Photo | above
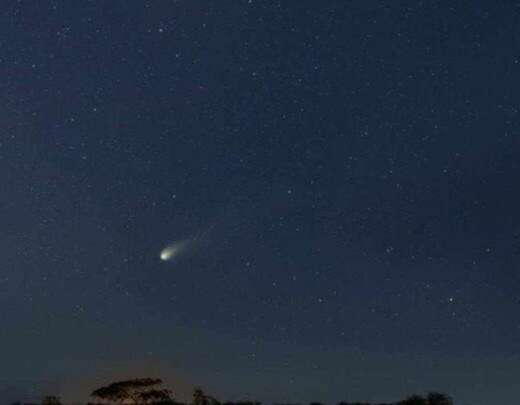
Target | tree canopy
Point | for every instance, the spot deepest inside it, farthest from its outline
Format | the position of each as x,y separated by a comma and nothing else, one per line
135,391
146,391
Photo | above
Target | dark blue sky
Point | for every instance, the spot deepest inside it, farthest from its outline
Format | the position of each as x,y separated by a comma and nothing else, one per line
343,176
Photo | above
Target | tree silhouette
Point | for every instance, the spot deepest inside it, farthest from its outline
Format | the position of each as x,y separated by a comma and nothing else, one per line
437,398
201,398
414,400
136,391
145,391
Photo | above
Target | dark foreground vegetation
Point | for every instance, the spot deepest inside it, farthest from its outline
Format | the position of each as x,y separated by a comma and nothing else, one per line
148,391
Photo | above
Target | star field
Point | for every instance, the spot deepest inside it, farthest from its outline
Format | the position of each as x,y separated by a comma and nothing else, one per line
340,177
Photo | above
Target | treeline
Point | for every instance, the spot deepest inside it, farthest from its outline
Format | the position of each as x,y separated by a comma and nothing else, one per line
147,391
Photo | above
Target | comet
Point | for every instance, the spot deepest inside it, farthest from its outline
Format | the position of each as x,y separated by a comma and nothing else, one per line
187,245
173,250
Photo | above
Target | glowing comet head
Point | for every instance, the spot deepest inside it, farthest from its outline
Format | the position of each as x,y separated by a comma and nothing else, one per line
173,250
166,254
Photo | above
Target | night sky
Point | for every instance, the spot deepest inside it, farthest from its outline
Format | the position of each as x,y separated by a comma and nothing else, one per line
335,183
